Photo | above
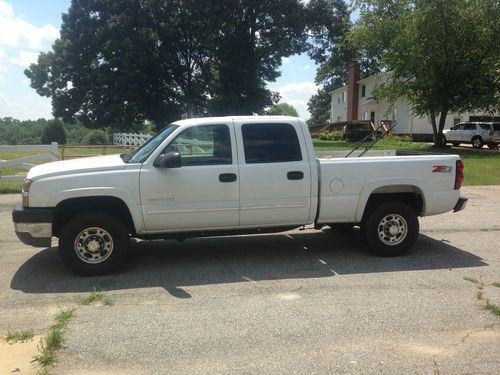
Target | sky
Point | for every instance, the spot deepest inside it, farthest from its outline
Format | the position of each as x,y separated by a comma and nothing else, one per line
28,27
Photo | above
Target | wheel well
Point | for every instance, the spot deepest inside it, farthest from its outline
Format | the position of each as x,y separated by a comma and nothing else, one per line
410,195
69,208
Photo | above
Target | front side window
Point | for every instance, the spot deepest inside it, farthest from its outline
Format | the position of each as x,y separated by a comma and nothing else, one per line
470,127
270,143
203,145
143,152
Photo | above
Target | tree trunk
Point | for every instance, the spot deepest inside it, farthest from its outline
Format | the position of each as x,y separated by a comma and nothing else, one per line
434,129
442,121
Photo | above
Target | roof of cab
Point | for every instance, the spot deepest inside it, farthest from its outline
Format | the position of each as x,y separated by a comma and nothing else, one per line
193,121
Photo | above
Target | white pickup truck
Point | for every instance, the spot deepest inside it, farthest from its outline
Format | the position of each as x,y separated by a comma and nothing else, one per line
223,176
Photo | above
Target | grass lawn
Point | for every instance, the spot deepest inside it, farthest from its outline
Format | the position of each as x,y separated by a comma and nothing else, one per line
481,167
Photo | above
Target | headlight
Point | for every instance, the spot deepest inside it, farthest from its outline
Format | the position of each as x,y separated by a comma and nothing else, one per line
26,192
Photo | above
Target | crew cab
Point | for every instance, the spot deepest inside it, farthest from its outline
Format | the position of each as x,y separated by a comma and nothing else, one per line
224,176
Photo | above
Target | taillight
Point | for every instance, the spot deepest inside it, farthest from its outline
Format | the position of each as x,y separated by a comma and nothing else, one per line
459,174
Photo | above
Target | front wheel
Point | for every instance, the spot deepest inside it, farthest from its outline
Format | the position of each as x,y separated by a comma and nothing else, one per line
94,243
391,228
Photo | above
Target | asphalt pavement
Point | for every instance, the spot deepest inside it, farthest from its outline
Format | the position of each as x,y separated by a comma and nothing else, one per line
300,302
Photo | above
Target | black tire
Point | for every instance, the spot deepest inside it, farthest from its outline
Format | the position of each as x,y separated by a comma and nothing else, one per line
455,144
101,230
492,146
477,142
389,244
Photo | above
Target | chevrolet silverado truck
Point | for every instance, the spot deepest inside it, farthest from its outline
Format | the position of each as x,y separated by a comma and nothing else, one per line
227,176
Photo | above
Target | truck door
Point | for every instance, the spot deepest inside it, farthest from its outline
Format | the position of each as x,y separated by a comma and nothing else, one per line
201,194
275,176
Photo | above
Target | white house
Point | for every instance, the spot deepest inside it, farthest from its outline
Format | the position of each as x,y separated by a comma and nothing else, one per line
355,102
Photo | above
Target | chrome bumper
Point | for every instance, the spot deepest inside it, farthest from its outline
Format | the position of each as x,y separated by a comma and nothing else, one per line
34,234
33,226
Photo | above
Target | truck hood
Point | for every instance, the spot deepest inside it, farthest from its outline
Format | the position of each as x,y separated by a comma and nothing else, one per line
81,165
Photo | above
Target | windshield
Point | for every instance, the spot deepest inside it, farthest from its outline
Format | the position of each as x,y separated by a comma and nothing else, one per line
142,153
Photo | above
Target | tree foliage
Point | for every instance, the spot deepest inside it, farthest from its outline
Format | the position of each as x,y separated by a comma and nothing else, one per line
117,63
443,55
54,132
329,24
283,109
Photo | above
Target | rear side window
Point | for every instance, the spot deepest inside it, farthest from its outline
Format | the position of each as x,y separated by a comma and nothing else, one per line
485,126
496,127
270,143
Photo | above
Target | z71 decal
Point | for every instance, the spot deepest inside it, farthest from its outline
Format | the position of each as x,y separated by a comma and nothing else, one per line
442,169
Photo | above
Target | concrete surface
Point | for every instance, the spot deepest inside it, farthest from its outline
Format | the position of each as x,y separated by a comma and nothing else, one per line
303,302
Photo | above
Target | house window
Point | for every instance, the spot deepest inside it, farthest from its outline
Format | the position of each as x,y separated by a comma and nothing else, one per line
339,97
365,116
394,114
345,96
456,120
363,91
338,118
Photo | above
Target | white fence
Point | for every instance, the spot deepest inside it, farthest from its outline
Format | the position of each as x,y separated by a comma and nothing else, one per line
47,152
130,139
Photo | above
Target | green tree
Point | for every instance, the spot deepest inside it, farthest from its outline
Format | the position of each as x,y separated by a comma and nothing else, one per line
54,132
443,55
254,36
118,63
96,137
328,25
283,109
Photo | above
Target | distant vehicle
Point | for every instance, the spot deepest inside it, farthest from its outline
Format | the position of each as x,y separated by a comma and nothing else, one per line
356,131
476,133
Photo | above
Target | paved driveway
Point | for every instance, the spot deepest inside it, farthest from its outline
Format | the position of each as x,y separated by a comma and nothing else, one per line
306,302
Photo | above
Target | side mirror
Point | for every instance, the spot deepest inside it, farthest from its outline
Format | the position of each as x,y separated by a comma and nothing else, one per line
168,160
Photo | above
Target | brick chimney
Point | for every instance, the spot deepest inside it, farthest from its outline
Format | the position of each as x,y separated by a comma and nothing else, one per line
353,92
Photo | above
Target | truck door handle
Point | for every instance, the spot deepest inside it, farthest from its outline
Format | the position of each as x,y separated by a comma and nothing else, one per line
227,177
295,175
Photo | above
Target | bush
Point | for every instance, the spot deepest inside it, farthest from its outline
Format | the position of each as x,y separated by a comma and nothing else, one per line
54,132
330,136
398,138
96,137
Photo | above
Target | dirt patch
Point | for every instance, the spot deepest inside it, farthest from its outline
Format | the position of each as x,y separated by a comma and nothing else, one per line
17,358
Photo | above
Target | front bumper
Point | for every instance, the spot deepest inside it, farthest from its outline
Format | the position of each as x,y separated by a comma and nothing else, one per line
33,226
462,202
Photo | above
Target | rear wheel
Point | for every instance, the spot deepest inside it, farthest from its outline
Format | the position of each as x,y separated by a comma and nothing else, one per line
391,228
94,243
477,142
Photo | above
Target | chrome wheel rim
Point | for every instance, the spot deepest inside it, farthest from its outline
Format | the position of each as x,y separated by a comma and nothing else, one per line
392,229
93,245
477,143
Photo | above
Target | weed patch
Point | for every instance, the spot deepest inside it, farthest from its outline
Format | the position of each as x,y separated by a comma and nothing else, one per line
53,341
19,336
96,296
